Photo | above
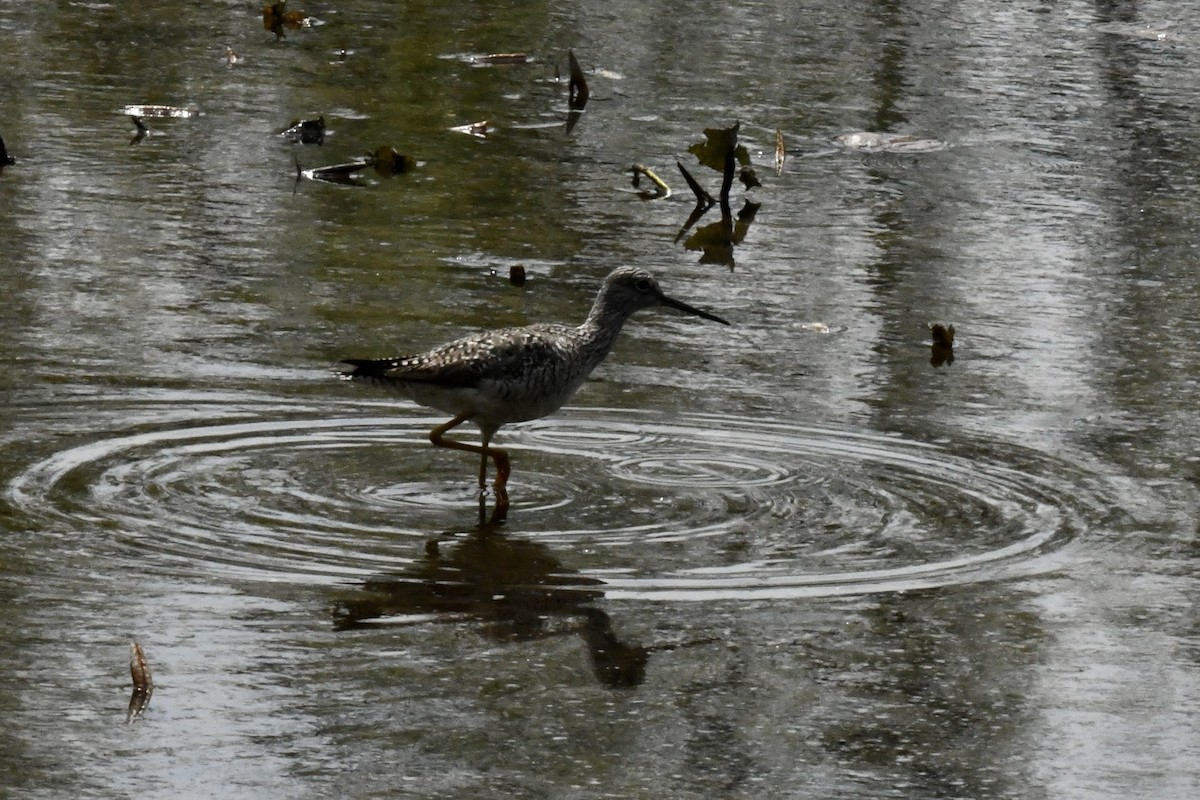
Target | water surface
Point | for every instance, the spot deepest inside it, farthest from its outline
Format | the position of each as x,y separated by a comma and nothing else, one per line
787,558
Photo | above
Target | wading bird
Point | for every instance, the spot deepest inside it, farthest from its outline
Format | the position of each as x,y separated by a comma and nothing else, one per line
515,374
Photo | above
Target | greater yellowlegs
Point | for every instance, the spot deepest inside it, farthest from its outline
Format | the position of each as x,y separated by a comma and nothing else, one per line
515,374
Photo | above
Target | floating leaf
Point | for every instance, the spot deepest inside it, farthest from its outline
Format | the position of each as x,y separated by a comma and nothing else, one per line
942,350
748,177
231,57
308,131
715,240
276,17
387,161
712,153
942,334
744,218
780,152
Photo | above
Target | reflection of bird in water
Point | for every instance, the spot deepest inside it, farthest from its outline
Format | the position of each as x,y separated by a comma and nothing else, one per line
518,589
516,374
614,663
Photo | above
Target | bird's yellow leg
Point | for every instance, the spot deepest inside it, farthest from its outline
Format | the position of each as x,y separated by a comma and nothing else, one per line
502,472
437,437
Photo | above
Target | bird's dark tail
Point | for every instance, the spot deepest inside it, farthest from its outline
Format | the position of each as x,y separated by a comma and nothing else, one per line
367,368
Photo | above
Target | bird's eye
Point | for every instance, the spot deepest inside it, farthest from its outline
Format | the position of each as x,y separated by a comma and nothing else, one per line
642,285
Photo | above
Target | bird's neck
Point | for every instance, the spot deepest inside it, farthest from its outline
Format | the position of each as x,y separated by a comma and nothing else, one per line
602,325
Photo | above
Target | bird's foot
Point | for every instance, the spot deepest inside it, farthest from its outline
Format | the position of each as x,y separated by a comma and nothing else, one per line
500,510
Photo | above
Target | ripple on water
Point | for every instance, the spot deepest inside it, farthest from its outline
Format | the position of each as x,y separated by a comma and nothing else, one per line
692,507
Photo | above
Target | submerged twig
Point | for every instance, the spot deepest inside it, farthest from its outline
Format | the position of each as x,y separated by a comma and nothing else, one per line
660,186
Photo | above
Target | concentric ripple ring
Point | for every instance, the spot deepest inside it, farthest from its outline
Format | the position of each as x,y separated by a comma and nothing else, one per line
692,507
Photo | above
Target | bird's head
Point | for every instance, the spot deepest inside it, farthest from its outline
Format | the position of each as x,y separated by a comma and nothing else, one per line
633,288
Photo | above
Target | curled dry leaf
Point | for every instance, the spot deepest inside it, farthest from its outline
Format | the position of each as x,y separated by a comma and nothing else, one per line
479,129
139,669
143,682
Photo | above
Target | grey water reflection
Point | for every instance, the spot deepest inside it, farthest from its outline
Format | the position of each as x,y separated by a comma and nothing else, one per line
827,566
515,589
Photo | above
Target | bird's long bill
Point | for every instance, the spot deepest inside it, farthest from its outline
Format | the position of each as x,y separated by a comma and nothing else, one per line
682,306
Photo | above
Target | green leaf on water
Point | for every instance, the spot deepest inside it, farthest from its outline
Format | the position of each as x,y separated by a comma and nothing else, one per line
720,141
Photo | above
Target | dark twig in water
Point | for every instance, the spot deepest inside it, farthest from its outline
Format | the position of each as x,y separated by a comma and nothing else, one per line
703,198
5,159
730,169
142,130
578,92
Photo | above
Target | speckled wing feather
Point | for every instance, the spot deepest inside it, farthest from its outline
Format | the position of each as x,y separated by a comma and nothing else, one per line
500,355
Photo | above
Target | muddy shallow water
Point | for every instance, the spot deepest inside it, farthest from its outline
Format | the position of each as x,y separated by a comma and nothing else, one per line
789,558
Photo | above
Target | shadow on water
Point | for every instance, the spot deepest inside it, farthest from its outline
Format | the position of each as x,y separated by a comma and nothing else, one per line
516,590
716,240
